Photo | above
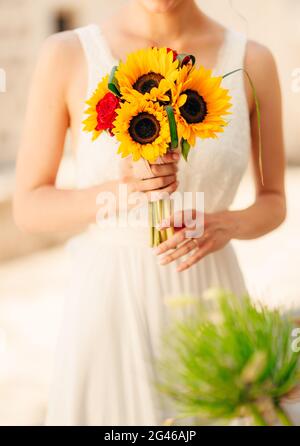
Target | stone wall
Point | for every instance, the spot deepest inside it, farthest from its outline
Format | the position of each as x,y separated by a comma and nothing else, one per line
24,24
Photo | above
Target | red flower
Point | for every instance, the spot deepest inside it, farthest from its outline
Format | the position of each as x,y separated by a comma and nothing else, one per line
106,109
186,60
175,54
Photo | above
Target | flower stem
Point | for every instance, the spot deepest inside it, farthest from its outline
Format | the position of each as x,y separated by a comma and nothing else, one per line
161,216
167,210
151,224
258,418
282,416
157,211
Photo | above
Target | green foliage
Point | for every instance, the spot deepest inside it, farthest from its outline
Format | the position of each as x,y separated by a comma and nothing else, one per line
219,369
113,85
185,148
173,126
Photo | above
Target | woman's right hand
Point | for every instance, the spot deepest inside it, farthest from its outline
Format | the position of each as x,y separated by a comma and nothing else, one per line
160,179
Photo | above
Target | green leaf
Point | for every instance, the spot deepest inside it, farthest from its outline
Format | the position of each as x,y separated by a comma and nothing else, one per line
173,127
113,85
185,148
258,113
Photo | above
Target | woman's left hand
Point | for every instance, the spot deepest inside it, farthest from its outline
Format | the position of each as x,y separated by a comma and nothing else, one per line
216,231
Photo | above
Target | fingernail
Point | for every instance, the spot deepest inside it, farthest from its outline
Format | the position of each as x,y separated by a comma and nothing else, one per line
163,262
156,250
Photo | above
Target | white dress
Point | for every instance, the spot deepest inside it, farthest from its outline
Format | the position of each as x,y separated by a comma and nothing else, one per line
115,308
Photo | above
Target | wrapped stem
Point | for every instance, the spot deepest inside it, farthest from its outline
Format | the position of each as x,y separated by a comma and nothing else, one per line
151,223
256,415
156,223
159,211
282,416
167,210
160,206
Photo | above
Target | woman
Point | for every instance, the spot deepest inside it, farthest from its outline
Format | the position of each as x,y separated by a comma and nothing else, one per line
115,309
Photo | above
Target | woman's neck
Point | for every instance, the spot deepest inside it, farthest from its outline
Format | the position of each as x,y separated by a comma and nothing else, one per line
163,27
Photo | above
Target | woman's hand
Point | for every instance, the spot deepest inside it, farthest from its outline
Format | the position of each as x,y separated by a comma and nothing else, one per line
153,179
268,410
293,396
197,241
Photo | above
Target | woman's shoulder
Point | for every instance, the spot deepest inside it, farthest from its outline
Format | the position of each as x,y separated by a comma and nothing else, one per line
59,61
63,45
260,63
258,53
261,66
59,57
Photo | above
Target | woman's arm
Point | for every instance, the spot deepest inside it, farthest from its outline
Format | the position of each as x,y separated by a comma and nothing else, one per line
38,205
269,209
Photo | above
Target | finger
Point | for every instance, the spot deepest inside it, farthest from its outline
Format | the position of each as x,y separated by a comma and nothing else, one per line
162,170
157,183
201,252
171,243
163,194
183,250
292,396
170,157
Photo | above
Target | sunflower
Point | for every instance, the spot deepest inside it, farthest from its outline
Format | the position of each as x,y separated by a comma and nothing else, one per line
148,72
200,103
101,110
142,128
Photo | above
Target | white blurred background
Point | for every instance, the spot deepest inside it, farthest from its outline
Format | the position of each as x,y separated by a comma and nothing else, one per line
33,268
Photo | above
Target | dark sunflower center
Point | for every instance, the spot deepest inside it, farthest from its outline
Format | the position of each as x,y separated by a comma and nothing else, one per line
195,108
145,83
144,128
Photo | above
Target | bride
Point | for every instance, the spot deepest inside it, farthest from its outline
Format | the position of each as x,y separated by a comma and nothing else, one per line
115,306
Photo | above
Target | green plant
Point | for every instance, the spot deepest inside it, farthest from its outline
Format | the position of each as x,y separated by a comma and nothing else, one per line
227,358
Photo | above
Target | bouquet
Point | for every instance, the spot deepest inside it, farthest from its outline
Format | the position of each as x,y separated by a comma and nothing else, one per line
233,360
154,102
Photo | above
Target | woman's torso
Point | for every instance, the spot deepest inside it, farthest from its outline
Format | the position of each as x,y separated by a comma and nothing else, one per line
215,167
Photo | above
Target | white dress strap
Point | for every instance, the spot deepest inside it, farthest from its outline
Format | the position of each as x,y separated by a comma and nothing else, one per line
232,55
99,59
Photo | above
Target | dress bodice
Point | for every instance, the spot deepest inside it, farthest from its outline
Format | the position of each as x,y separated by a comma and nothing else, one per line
215,167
